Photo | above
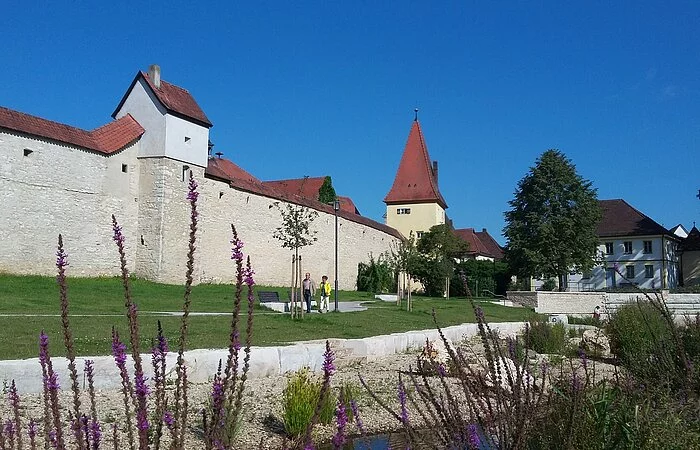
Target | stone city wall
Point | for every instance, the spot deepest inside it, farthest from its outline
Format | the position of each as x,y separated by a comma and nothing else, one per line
57,188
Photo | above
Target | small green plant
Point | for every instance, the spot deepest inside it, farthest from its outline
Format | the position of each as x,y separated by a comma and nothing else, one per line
300,397
544,337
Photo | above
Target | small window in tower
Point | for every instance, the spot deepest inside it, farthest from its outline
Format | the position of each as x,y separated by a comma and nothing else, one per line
187,139
184,172
125,168
403,210
28,152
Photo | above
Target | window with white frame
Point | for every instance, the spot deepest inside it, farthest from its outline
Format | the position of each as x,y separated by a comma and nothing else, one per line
629,272
647,247
403,211
628,247
648,271
419,234
609,248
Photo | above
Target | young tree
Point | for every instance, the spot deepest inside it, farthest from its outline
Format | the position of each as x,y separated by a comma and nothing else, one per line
402,255
438,249
551,226
296,233
326,194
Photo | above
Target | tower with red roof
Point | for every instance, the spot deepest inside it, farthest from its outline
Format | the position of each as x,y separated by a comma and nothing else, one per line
414,202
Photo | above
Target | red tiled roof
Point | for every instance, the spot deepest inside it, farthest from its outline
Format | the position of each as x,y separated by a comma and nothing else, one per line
692,242
621,219
307,186
346,204
106,139
176,100
476,247
490,243
414,182
227,170
254,186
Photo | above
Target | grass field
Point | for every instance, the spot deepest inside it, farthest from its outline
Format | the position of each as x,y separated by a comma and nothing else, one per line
27,295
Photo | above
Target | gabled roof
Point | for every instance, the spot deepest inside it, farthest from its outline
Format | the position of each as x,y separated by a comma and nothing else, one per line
225,169
490,243
346,204
176,100
621,219
414,181
692,242
307,186
679,230
107,139
238,178
480,243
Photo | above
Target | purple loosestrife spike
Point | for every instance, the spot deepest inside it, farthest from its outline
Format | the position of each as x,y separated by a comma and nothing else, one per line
402,401
356,415
511,348
341,418
237,249
192,194
328,358
168,420
95,433
474,440
441,370
583,358
480,314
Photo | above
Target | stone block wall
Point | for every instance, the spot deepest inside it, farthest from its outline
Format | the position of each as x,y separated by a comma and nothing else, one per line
47,188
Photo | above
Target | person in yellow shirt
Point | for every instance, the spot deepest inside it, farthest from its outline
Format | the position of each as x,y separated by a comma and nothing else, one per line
325,290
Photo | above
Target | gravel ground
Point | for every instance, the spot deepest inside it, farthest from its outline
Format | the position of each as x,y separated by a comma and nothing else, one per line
262,414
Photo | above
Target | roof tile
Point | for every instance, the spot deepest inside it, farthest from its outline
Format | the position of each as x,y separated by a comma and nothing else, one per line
106,139
621,219
414,182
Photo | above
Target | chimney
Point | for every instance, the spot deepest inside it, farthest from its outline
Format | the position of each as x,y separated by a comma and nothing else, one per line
483,230
154,75
435,172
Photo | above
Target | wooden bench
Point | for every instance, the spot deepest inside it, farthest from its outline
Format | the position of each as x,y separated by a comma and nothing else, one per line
268,296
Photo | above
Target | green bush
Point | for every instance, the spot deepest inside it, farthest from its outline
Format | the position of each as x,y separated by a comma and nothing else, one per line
375,276
544,337
300,397
549,285
641,338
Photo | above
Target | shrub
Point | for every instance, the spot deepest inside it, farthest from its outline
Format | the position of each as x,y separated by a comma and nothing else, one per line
550,284
376,276
544,337
299,400
640,337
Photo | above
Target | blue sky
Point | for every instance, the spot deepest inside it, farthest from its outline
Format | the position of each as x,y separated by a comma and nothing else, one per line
315,88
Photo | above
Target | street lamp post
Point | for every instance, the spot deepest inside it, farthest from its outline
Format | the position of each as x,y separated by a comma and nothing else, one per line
336,207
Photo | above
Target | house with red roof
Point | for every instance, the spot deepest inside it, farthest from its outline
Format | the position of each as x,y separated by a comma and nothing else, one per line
482,246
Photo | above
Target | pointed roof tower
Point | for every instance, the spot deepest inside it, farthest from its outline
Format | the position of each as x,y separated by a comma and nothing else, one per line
416,179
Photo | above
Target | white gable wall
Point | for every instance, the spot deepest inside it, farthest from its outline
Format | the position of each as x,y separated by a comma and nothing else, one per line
186,141
150,114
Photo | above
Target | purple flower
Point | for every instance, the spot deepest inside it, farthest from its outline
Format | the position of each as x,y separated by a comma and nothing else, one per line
583,358
441,370
341,420
192,193
328,358
13,396
473,434
52,382
402,401
168,420
95,433
9,429
61,259
43,348
52,439
248,276
480,314
33,428
117,235
356,415
237,248
118,351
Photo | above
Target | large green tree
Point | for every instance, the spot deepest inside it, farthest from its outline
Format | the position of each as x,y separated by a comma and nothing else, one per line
551,226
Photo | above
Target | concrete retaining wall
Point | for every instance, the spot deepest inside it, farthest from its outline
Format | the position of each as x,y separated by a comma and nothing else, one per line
265,361
583,303
524,298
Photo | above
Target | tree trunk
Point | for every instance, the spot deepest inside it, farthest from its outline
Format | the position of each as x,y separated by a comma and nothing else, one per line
293,287
563,281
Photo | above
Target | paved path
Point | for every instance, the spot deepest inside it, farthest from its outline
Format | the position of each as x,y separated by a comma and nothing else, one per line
342,307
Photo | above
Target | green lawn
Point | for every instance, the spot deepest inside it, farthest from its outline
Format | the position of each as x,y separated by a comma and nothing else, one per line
39,295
